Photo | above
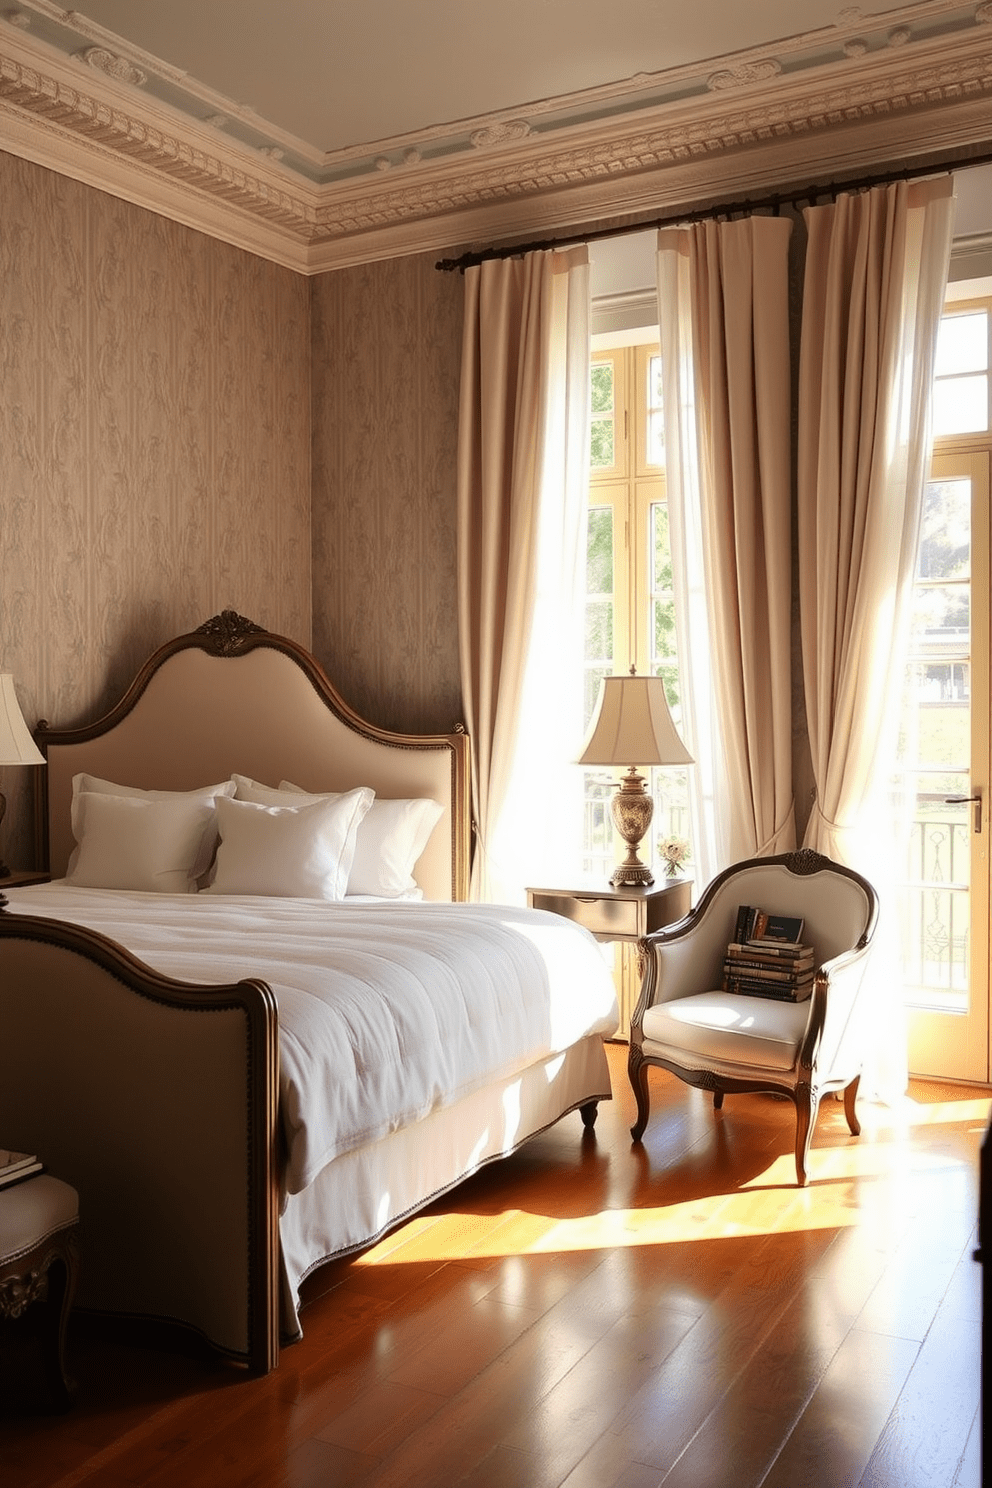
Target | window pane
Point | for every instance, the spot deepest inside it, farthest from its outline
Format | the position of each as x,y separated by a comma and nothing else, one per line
599,632
945,531
670,788
602,445
599,553
661,545
662,595
961,405
602,387
656,420
937,739
962,343
941,618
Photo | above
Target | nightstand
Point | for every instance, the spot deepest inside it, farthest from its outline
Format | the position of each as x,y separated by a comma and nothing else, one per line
623,914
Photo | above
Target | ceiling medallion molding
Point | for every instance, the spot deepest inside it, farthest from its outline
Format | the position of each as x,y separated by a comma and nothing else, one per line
116,67
744,75
500,134
905,98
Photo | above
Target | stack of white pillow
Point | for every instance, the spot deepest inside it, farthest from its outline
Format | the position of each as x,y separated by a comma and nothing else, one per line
242,837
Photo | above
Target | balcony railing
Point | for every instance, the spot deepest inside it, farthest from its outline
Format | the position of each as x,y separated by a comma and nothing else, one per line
934,911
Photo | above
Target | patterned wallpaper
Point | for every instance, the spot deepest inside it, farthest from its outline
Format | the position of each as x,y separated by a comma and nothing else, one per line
154,446
386,358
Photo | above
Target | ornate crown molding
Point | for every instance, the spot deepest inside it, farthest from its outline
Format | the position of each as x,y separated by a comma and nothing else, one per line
878,93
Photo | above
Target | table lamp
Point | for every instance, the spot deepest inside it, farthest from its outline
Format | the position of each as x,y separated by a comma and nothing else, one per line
16,744
632,723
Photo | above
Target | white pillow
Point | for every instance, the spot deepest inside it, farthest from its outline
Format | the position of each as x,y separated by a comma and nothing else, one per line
390,841
130,842
246,789
83,784
299,852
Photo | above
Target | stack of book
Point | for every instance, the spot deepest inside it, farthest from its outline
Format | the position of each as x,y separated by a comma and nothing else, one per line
17,1165
767,957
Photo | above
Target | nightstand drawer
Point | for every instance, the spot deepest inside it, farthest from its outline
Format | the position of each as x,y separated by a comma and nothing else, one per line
617,914
603,916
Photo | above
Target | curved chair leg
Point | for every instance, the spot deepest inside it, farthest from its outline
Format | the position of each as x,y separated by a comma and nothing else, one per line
807,1105
718,1100
850,1096
589,1112
637,1072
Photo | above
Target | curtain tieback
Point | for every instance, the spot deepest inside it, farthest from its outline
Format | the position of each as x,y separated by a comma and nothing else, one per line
783,839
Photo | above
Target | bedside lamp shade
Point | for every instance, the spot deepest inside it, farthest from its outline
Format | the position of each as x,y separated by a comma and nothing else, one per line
16,744
632,726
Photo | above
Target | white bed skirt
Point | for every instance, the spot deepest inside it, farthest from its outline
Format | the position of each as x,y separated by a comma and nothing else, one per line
365,1192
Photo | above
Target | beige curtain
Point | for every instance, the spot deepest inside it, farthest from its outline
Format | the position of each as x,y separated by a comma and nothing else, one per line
876,270
723,307
522,473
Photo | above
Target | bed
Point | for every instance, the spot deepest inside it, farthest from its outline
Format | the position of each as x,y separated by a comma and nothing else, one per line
249,1074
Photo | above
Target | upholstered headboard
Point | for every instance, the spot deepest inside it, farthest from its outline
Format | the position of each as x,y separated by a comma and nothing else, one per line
233,698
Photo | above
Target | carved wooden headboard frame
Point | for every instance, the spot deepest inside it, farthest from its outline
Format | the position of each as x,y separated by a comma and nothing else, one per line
233,697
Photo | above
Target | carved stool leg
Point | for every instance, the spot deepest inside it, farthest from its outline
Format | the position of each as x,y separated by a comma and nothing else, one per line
62,1274
39,1228
589,1112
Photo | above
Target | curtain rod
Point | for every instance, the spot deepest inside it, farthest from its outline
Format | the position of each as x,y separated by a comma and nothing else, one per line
774,203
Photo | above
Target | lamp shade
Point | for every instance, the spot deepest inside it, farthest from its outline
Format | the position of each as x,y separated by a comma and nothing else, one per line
16,744
632,726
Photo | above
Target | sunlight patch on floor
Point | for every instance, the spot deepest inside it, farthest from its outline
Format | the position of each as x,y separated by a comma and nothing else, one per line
769,1202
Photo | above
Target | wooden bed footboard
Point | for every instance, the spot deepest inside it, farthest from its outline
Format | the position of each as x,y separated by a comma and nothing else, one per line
157,1100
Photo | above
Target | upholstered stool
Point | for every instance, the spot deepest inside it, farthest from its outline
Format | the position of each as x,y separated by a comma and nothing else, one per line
39,1223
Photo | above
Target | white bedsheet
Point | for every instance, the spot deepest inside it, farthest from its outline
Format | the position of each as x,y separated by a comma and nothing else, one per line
387,1011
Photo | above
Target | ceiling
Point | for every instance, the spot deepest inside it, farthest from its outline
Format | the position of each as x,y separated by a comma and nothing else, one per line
320,132
326,78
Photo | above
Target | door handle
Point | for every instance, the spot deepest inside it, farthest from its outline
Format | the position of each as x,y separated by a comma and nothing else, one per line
960,801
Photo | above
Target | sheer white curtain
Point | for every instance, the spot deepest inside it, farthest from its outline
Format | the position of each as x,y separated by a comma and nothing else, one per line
724,327
876,271
522,483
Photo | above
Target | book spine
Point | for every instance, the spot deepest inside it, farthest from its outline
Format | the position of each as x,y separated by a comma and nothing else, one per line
760,970
743,920
783,950
782,991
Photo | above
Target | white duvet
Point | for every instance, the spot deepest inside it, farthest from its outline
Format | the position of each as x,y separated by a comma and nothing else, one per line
387,1011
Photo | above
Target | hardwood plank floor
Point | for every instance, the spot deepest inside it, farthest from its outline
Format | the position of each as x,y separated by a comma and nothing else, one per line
589,1314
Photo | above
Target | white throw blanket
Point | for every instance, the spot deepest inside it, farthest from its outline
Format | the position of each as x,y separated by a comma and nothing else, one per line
387,1010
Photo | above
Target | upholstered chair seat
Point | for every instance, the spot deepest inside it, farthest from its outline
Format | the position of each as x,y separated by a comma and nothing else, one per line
725,1041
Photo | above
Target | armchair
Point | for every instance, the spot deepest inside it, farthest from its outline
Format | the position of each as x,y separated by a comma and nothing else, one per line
726,1042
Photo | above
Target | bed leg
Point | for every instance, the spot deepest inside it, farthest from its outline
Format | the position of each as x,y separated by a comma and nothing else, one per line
589,1112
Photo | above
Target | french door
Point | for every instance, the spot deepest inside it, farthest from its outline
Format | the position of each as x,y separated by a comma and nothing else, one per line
942,789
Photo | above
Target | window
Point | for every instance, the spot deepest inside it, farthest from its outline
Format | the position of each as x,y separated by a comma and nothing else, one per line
630,603
961,388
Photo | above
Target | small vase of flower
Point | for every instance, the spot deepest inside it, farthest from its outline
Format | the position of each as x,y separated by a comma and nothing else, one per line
674,853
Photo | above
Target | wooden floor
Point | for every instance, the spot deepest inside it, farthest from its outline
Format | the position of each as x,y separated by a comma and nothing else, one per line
592,1314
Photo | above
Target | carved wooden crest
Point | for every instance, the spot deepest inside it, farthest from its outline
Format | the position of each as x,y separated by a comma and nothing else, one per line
228,631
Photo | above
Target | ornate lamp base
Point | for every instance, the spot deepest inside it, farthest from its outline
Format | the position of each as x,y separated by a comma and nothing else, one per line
632,809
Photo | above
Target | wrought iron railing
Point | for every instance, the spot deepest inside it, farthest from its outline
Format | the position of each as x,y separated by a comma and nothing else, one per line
934,912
